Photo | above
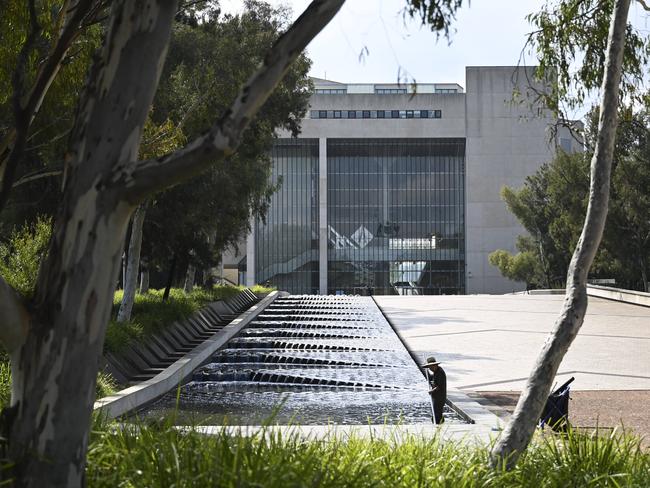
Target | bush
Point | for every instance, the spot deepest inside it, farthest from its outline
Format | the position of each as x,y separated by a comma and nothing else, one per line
5,383
20,258
106,385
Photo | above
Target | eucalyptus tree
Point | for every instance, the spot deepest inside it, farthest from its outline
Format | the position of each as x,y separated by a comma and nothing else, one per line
56,339
565,28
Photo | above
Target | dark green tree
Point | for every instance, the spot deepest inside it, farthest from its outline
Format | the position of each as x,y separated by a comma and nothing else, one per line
218,206
552,203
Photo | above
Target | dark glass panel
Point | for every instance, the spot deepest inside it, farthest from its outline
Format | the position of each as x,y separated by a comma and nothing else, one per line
396,215
286,247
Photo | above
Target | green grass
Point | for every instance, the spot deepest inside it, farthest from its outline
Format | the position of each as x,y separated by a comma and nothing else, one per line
164,457
150,314
260,289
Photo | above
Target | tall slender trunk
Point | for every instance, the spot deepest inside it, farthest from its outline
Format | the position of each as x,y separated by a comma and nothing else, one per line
170,277
523,422
133,264
190,276
144,277
122,277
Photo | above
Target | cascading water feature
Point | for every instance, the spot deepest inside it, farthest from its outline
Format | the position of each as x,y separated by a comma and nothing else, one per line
307,360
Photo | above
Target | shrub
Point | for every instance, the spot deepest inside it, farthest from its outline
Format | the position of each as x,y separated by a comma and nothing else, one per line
106,385
5,383
20,257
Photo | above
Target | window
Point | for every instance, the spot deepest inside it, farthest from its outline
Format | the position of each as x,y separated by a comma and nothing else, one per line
352,114
446,90
337,114
322,114
381,114
365,114
389,91
424,114
394,114
313,114
409,114
437,114
331,91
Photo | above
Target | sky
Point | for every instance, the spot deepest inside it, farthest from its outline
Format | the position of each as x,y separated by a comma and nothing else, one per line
487,33
398,46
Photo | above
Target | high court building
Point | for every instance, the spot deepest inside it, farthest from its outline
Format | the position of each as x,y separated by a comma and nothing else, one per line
396,188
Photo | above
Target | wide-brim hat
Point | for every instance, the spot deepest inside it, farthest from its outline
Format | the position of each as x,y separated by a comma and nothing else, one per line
431,361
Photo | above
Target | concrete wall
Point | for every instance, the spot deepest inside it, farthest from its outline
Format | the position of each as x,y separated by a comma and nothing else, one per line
452,123
505,143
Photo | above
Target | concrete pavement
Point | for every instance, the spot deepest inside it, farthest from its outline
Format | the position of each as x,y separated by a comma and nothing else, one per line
490,342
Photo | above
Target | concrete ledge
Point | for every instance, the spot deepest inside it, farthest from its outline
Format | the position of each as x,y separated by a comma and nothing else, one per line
477,434
471,411
142,393
619,295
551,291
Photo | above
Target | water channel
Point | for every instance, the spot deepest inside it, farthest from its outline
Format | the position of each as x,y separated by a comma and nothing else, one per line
308,360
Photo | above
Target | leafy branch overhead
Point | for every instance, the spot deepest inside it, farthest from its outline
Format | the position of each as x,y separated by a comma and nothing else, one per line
569,42
438,15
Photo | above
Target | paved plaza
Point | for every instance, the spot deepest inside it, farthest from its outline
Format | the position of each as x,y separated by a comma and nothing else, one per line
490,342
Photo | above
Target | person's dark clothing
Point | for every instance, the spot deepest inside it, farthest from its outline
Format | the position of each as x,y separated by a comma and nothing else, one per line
438,379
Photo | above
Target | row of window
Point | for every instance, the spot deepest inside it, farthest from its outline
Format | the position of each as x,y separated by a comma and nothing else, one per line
389,91
331,91
376,114
378,91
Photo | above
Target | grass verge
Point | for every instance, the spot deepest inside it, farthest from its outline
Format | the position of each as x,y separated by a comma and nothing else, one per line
163,456
150,314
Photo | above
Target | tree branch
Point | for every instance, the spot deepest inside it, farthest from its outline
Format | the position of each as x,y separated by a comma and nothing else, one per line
223,138
644,5
14,318
37,175
25,108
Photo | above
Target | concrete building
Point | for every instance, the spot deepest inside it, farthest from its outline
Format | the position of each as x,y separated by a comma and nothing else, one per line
395,188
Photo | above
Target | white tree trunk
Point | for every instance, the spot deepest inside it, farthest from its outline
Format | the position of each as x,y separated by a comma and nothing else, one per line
133,265
54,371
144,280
523,422
190,276
55,343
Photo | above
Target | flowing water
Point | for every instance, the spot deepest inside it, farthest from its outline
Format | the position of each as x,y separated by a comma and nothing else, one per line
307,360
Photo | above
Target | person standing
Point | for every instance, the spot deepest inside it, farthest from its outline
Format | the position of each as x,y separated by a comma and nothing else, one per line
438,387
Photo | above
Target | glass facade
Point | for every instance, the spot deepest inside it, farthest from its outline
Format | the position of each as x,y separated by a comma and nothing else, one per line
396,216
286,248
